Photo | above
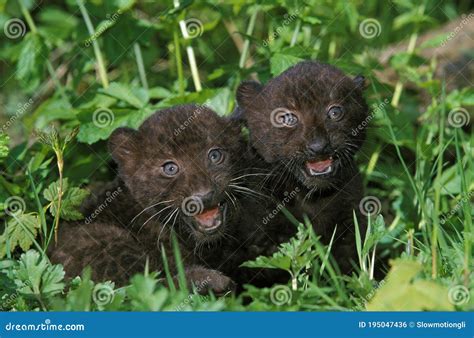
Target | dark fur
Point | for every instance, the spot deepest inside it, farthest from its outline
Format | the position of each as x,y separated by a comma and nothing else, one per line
116,238
308,90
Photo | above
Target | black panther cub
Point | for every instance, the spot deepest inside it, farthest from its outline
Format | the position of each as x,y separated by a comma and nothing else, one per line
183,169
301,125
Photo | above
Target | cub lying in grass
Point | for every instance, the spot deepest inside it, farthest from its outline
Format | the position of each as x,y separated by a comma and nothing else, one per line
183,169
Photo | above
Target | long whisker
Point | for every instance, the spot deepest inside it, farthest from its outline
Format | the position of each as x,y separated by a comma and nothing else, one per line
164,224
154,215
231,199
248,191
151,206
247,175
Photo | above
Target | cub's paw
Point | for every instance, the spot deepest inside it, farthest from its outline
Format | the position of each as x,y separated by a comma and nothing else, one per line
206,280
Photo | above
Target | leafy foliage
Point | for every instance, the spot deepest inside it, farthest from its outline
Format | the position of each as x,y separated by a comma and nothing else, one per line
61,79
402,292
21,231
72,200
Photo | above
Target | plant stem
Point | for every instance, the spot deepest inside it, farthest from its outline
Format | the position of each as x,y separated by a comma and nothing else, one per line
294,37
28,18
98,54
140,65
250,28
41,213
410,49
60,161
179,62
332,48
437,195
194,68
190,52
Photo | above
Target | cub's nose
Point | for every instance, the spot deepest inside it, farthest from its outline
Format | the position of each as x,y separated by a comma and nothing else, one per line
318,145
206,197
198,202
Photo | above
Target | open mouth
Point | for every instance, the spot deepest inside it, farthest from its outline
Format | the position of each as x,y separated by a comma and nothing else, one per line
209,220
319,167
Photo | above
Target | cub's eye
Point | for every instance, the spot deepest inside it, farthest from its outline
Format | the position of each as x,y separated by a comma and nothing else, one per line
170,168
282,117
216,156
290,119
335,113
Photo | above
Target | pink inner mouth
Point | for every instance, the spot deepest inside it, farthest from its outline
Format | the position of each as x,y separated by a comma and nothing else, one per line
209,219
319,166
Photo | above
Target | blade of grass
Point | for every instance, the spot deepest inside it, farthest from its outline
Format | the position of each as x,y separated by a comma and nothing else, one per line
190,52
169,277
328,251
179,62
410,49
41,213
249,32
179,263
140,65
466,211
437,191
330,269
98,54
400,157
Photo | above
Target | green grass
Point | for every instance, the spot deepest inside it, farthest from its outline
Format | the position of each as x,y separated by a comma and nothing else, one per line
63,93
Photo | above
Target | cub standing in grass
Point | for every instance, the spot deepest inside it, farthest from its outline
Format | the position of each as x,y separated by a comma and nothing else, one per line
182,169
301,125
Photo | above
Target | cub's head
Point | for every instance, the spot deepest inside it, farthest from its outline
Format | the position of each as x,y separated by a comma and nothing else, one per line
181,164
303,121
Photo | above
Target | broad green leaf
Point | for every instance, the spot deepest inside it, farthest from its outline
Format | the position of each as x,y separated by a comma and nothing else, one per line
291,256
56,25
137,97
144,296
20,231
35,276
277,261
102,122
159,93
30,64
220,102
80,297
53,109
403,291
281,62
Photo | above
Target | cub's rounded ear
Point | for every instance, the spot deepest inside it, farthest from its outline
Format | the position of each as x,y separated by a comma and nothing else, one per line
247,91
360,82
122,144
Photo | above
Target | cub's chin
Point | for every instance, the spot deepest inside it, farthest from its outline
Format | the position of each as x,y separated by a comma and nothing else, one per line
318,183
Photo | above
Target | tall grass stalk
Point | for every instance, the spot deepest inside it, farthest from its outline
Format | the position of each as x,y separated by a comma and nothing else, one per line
249,32
141,67
179,62
410,49
190,52
98,54
465,208
437,192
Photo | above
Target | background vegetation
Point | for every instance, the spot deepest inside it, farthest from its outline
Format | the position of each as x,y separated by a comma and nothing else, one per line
72,71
